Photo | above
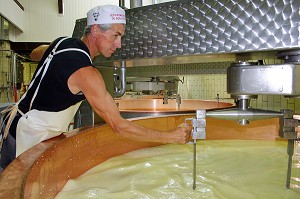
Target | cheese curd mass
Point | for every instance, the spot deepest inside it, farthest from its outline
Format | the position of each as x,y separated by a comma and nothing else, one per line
225,169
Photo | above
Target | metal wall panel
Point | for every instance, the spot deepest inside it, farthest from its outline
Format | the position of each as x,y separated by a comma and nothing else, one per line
209,26
201,27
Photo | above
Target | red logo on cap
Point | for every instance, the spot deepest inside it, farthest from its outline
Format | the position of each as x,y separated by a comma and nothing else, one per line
117,16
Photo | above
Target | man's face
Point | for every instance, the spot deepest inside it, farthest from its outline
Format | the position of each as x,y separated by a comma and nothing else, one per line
109,41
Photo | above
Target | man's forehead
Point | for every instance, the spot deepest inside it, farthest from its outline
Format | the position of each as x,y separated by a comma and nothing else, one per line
118,28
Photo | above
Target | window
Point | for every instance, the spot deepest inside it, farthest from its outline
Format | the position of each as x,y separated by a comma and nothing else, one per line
4,29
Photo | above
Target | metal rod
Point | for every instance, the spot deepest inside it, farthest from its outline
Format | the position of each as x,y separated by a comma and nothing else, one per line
194,169
290,151
244,103
14,77
239,114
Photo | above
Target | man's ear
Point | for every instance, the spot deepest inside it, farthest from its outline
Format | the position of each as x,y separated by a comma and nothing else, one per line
94,30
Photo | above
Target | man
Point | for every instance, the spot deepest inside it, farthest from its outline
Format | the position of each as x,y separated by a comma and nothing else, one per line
64,77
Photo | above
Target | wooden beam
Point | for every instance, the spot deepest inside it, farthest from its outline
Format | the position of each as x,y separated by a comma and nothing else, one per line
19,4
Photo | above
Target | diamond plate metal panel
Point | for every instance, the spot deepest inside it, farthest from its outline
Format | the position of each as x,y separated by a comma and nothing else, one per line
209,26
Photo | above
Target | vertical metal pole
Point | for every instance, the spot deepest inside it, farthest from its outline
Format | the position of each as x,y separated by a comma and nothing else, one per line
122,3
290,151
14,75
198,132
195,160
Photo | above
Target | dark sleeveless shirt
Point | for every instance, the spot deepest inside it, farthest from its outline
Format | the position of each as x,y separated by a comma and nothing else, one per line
54,94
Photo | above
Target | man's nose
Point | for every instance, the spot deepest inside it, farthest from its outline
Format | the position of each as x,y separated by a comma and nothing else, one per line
118,43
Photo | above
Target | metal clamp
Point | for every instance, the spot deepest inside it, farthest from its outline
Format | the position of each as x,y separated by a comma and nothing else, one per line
199,125
288,125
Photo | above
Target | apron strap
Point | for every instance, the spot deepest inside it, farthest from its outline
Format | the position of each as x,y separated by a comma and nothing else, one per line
11,113
47,66
42,67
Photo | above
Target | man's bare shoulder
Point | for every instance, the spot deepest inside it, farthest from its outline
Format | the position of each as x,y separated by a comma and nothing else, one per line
38,52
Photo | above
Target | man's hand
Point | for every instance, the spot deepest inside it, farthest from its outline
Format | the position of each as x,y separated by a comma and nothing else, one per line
181,135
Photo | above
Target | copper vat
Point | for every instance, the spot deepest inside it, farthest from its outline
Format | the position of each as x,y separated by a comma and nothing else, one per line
155,107
43,170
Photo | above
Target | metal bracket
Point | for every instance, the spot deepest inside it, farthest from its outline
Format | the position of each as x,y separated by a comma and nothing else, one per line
288,131
288,125
199,125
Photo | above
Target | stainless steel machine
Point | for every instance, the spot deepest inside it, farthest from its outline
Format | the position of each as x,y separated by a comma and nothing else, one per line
153,85
246,82
185,32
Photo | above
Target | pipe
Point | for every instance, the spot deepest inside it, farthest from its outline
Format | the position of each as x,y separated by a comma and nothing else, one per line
14,77
120,92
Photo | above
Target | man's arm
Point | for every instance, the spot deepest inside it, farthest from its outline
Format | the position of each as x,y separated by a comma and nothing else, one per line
90,82
37,53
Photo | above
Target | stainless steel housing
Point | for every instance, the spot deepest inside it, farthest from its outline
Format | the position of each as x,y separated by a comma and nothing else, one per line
197,27
280,79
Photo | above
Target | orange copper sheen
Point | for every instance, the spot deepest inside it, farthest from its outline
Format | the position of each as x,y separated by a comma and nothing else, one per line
157,105
43,170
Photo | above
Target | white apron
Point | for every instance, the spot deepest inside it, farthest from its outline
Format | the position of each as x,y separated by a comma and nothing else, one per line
36,126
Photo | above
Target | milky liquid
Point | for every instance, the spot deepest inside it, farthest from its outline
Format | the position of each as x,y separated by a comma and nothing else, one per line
225,169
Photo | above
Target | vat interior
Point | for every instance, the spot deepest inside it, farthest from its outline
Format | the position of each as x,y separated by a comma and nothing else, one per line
71,156
101,143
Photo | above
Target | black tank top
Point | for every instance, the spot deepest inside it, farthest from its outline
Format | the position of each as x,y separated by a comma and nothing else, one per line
54,94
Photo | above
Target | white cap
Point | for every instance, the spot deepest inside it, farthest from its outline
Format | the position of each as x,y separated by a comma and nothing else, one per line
106,14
